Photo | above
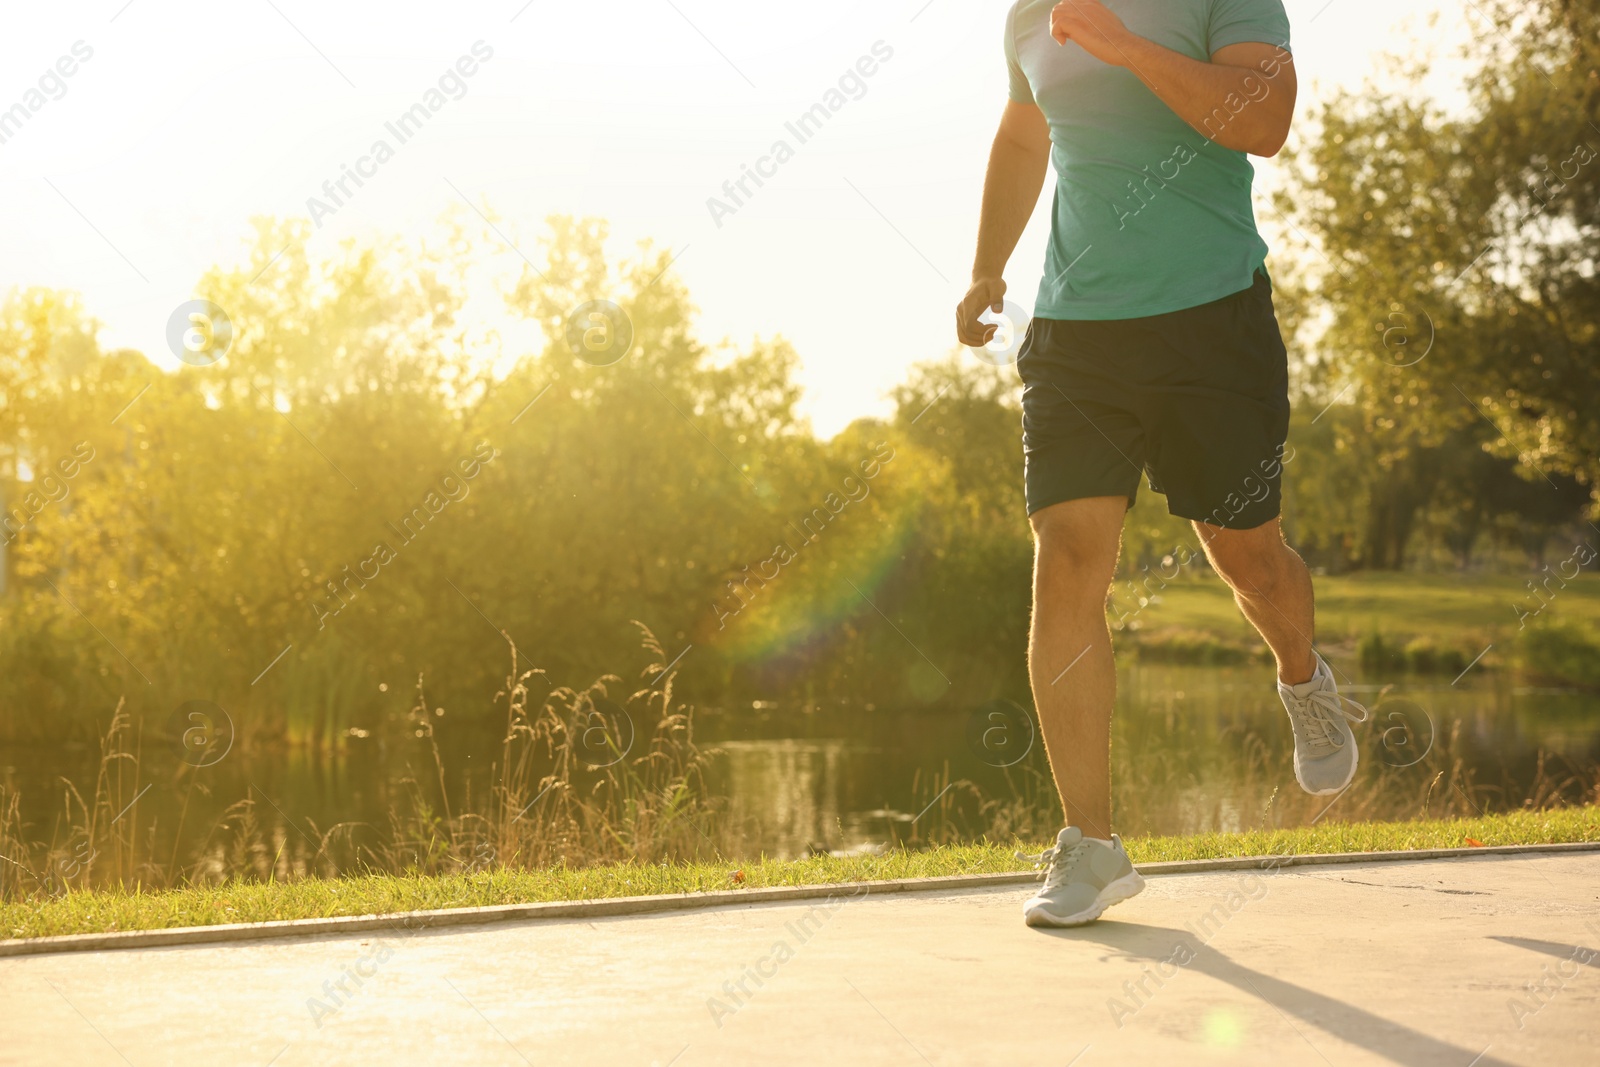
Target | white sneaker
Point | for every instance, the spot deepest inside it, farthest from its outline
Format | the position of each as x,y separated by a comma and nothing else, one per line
1325,755
1085,877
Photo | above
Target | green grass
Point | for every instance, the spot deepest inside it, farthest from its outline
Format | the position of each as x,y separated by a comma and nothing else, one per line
101,911
1446,607
1425,623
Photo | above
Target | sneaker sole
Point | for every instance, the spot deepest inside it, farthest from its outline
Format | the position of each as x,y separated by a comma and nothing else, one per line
1129,885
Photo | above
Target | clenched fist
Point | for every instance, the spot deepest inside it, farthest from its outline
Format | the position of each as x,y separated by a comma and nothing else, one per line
1091,24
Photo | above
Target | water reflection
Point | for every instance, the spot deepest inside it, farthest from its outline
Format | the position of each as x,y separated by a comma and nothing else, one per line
1194,749
785,794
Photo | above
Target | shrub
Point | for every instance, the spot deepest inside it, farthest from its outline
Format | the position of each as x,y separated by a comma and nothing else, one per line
1422,655
1189,647
1426,656
1378,654
1561,653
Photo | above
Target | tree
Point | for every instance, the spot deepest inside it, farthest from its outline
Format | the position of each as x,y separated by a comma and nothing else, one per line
1458,256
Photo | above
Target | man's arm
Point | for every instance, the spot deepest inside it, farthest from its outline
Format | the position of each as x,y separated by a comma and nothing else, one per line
1258,78
1017,165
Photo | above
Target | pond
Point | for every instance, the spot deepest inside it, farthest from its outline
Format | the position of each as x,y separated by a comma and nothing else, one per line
1194,748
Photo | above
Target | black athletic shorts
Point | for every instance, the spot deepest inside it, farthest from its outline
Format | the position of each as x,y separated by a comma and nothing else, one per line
1197,398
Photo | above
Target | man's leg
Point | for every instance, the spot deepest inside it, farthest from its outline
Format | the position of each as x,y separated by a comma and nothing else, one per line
1272,586
1069,651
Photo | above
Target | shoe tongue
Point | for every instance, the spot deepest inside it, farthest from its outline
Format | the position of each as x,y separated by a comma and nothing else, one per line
1322,679
1069,837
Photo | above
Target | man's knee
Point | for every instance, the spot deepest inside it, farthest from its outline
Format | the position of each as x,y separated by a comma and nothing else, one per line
1080,535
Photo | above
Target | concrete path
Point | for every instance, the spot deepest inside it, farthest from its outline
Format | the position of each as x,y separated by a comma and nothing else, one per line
1474,962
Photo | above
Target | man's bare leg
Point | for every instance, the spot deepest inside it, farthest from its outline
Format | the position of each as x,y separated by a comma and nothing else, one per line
1272,586
1069,651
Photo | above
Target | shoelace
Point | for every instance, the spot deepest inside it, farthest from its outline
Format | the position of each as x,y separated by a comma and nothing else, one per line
1055,864
1318,715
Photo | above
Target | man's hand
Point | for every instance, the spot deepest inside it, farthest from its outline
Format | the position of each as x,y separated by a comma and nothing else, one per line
986,293
1091,24
1199,92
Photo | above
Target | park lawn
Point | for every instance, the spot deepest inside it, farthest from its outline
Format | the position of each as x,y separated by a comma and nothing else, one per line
101,911
1451,608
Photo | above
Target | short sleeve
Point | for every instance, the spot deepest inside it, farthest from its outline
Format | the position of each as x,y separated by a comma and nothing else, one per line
1021,91
1242,21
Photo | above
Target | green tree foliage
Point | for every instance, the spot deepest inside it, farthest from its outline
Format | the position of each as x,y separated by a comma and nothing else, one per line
1452,299
356,495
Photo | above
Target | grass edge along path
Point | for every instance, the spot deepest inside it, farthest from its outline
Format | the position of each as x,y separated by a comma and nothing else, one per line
104,911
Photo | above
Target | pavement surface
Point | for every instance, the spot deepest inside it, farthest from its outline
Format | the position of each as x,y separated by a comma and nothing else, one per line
1475,962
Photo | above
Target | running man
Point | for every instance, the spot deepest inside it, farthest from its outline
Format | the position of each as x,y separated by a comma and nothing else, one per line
1153,350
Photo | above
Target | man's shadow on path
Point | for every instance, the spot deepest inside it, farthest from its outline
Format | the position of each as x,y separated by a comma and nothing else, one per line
1357,1026
1579,954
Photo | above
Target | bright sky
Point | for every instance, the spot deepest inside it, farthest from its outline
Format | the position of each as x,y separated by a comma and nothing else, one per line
190,117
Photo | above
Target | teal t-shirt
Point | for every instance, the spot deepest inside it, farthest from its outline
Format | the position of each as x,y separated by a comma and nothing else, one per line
1149,215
